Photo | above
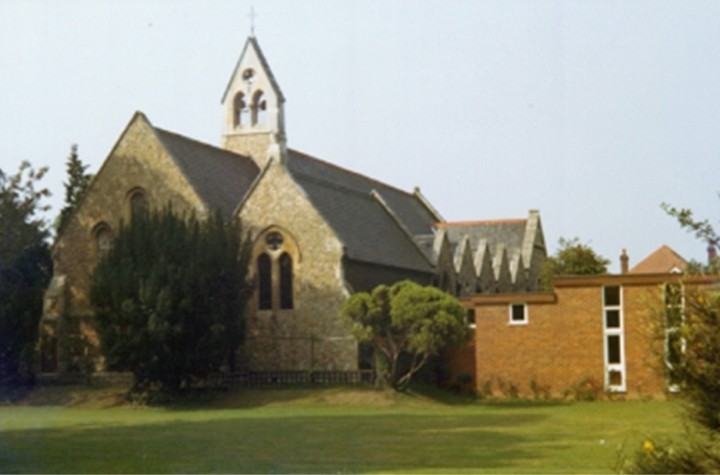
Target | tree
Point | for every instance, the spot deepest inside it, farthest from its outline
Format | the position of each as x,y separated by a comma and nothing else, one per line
170,297
78,182
696,369
406,318
704,231
25,267
572,258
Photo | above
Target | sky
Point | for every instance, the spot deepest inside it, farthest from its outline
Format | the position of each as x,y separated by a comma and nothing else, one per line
592,112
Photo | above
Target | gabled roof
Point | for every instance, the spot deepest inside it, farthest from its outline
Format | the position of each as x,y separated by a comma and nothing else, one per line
219,177
376,222
252,43
663,260
509,232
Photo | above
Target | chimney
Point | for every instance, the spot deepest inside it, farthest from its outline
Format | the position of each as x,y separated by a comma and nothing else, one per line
712,253
624,262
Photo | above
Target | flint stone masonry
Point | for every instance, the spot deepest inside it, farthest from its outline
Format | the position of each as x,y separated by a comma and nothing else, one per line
310,336
137,162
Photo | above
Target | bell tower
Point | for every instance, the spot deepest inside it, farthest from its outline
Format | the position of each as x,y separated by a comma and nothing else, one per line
253,123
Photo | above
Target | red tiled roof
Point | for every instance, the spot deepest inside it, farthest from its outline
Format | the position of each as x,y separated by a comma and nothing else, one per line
661,261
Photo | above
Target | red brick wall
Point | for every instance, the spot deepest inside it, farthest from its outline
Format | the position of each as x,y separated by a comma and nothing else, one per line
644,340
561,346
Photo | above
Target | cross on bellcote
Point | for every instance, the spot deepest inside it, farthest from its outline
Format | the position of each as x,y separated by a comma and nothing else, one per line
252,16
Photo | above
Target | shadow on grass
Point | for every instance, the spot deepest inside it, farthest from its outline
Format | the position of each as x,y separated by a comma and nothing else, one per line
270,444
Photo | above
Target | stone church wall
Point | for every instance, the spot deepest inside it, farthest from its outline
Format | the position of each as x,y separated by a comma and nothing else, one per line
137,163
311,335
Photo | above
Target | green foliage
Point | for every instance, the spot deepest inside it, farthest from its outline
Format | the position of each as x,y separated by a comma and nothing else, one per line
78,182
703,229
667,457
169,298
699,367
25,267
406,318
697,370
572,258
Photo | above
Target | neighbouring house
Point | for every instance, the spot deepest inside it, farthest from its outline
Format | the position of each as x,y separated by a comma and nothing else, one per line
319,233
601,333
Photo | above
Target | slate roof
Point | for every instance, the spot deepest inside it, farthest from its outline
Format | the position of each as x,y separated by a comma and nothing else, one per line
369,231
221,178
509,232
662,261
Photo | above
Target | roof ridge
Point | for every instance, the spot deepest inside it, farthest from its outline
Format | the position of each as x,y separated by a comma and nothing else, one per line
331,184
448,224
349,172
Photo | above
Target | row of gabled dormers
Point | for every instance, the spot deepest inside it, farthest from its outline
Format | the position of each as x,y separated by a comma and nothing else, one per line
498,256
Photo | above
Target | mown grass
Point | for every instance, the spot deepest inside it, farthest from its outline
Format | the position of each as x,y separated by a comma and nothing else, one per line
322,431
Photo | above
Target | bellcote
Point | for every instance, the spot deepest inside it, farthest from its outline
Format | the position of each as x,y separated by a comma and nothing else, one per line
253,108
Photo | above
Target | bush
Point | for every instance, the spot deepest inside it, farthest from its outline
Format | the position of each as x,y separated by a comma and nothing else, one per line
666,457
169,299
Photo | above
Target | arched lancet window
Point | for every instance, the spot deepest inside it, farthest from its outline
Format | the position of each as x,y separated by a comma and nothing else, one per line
275,260
103,240
138,205
286,281
240,110
264,268
259,108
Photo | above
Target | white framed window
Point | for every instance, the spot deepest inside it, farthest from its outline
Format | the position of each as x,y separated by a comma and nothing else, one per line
614,338
518,314
674,297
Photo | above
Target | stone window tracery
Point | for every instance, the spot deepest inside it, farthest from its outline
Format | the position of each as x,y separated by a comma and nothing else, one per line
275,267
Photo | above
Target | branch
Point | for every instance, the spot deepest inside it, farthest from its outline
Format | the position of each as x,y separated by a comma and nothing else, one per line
702,229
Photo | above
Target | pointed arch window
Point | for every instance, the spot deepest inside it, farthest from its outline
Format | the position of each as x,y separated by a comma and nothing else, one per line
138,204
265,294
240,110
286,281
275,271
103,240
259,107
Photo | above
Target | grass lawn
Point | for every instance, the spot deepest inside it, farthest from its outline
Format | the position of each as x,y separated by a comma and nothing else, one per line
320,431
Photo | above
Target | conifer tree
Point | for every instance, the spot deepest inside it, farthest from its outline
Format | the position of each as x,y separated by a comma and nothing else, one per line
78,182
25,268
170,297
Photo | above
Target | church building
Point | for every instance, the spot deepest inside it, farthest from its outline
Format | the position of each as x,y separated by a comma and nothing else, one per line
320,233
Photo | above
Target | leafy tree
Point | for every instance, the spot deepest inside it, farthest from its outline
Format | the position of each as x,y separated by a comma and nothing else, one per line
406,318
704,231
697,371
78,182
572,258
25,267
170,297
